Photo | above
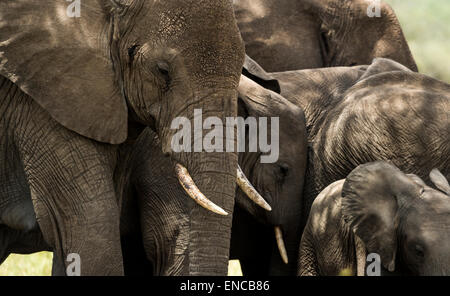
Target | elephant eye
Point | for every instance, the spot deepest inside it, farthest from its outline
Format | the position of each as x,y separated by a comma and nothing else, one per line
284,170
163,69
132,52
419,251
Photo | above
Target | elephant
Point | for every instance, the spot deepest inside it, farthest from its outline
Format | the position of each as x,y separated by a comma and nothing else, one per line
380,210
354,115
286,35
156,213
164,212
74,89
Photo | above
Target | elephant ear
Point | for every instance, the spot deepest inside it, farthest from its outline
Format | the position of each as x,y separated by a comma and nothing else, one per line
369,206
440,181
382,65
259,101
255,72
356,31
63,62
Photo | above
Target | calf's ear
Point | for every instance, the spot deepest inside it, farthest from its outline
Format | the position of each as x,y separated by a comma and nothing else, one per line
382,65
255,72
370,207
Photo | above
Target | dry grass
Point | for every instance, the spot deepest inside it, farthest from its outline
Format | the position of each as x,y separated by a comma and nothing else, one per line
234,268
38,264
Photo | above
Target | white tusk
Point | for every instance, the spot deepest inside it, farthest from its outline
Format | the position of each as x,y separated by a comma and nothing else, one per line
192,190
250,191
280,244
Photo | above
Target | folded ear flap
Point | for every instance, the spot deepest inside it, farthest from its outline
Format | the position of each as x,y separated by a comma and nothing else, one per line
259,101
255,72
440,181
63,62
359,30
369,205
381,65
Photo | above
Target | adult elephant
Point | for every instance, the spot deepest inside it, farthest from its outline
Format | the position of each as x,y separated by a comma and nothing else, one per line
356,115
69,87
379,209
163,210
156,213
283,35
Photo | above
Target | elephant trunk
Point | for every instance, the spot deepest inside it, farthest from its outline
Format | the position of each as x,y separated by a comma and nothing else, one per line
210,233
209,172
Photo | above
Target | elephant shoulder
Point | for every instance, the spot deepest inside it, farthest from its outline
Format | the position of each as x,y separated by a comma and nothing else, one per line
395,92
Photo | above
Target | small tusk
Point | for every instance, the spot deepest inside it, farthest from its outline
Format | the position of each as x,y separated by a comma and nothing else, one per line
192,190
280,244
250,191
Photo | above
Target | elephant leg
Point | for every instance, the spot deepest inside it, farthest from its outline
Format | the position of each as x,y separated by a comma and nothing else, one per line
72,189
76,207
58,266
7,237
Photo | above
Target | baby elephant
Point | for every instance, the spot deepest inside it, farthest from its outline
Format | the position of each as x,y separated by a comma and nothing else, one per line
382,212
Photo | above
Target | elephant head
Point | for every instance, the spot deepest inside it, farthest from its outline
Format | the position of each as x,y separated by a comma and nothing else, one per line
280,182
95,66
400,218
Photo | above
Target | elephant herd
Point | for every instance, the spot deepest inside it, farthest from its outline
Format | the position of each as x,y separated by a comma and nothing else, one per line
87,166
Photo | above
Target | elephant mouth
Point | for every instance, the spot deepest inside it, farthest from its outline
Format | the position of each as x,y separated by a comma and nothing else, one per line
194,192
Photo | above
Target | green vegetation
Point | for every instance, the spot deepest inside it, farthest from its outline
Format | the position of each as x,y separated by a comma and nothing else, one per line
426,25
35,264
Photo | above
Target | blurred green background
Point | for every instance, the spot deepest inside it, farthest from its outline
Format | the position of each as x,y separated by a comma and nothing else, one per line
426,24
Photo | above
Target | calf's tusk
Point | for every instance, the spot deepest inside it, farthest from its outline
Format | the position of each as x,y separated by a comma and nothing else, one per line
192,190
280,244
250,191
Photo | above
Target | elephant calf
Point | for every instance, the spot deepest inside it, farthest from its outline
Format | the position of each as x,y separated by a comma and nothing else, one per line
379,209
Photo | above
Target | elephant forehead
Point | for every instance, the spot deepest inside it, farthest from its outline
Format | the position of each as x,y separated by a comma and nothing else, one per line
430,217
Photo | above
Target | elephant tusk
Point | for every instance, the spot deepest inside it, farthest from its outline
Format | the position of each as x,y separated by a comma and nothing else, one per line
250,191
192,190
280,244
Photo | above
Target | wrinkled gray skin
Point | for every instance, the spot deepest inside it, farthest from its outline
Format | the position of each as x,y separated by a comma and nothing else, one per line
355,115
165,213
281,184
379,209
283,35
156,214
69,86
